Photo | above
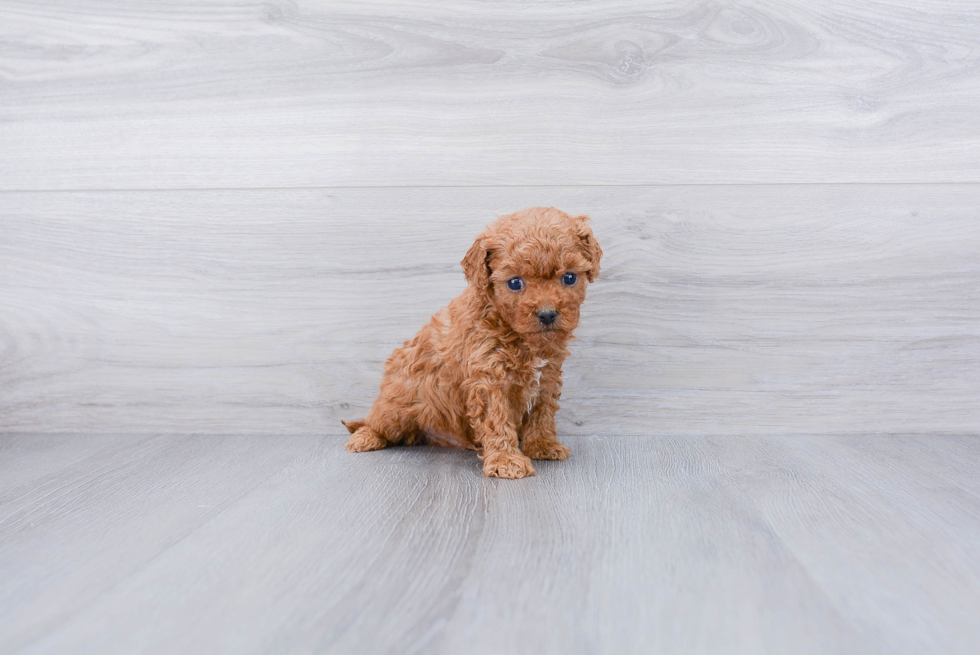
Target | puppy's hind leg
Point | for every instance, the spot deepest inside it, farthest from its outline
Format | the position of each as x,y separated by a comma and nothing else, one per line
387,424
363,438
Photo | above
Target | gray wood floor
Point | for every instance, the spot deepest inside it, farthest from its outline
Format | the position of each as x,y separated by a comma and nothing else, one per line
218,217
670,544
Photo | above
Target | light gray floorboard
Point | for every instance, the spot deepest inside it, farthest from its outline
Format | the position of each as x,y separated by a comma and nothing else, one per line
25,454
209,94
70,532
742,309
830,544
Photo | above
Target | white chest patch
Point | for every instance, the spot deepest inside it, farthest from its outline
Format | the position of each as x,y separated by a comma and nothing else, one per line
534,386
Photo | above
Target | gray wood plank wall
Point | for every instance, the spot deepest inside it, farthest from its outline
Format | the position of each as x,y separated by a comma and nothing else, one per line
272,94
221,217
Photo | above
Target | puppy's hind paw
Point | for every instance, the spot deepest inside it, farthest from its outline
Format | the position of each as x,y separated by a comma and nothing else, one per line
546,450
364,439
507,465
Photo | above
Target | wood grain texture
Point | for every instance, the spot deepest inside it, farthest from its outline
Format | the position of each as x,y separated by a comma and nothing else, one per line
736,310
217,218
100,95
69,532
821,544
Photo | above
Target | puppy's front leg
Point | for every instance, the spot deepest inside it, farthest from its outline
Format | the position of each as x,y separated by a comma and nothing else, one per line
495,430
539,434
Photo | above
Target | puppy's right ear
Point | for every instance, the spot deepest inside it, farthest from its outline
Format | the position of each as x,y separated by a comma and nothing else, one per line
476,263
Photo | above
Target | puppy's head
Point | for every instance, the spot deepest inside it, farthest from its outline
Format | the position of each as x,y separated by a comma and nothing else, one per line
534,266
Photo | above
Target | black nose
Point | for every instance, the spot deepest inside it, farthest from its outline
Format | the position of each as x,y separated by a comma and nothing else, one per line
547,317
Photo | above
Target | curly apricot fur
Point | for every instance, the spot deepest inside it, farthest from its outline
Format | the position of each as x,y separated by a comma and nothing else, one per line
485,372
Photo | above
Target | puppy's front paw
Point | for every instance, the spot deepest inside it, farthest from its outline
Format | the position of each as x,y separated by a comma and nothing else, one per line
546,449
365,439
510,465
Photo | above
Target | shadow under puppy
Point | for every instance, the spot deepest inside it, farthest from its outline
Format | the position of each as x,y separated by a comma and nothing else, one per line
485,372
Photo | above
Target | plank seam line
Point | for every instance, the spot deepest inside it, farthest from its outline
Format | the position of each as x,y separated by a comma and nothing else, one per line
485,186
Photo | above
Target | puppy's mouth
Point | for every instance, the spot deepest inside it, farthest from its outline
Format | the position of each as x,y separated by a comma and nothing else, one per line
548,330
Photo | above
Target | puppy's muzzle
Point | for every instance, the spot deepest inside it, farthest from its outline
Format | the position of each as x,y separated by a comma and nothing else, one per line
548,317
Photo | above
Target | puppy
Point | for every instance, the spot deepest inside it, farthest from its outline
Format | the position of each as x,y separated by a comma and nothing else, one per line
485,372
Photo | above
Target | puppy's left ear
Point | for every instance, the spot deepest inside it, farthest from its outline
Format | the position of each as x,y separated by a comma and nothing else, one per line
590,247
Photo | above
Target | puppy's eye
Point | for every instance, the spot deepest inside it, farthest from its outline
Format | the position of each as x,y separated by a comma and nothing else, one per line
515,284
569,279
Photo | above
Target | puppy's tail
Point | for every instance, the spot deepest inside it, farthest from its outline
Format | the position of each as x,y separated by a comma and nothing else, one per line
352,426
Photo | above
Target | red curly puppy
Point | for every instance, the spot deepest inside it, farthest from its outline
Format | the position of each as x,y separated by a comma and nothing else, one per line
485,372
